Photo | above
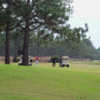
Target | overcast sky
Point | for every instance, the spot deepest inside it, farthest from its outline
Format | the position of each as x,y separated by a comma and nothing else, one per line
87,11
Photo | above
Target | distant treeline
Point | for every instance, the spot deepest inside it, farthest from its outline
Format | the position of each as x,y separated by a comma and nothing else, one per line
84,49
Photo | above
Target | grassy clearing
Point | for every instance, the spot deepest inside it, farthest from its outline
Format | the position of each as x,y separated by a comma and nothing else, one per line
43,82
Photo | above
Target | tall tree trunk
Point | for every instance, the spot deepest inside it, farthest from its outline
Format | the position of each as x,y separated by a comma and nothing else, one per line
7,44
26,38
26,45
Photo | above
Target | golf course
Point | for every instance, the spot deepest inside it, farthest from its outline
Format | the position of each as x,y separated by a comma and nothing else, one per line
43,82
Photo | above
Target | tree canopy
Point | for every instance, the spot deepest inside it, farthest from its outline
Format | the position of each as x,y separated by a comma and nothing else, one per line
40,23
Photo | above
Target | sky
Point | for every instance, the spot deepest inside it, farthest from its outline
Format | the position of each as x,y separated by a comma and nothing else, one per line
87,11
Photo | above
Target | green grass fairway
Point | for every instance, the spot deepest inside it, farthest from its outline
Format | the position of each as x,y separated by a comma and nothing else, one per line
43,82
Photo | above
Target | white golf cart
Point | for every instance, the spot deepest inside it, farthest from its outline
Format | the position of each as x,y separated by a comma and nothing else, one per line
30,60
64,61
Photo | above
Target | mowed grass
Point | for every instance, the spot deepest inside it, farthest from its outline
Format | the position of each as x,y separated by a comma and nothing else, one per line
43,82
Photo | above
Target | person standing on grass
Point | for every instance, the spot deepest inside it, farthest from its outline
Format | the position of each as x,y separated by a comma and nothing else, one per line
60,60
53,61
36,59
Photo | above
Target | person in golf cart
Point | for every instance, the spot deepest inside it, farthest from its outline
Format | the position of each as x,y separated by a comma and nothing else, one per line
63,61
